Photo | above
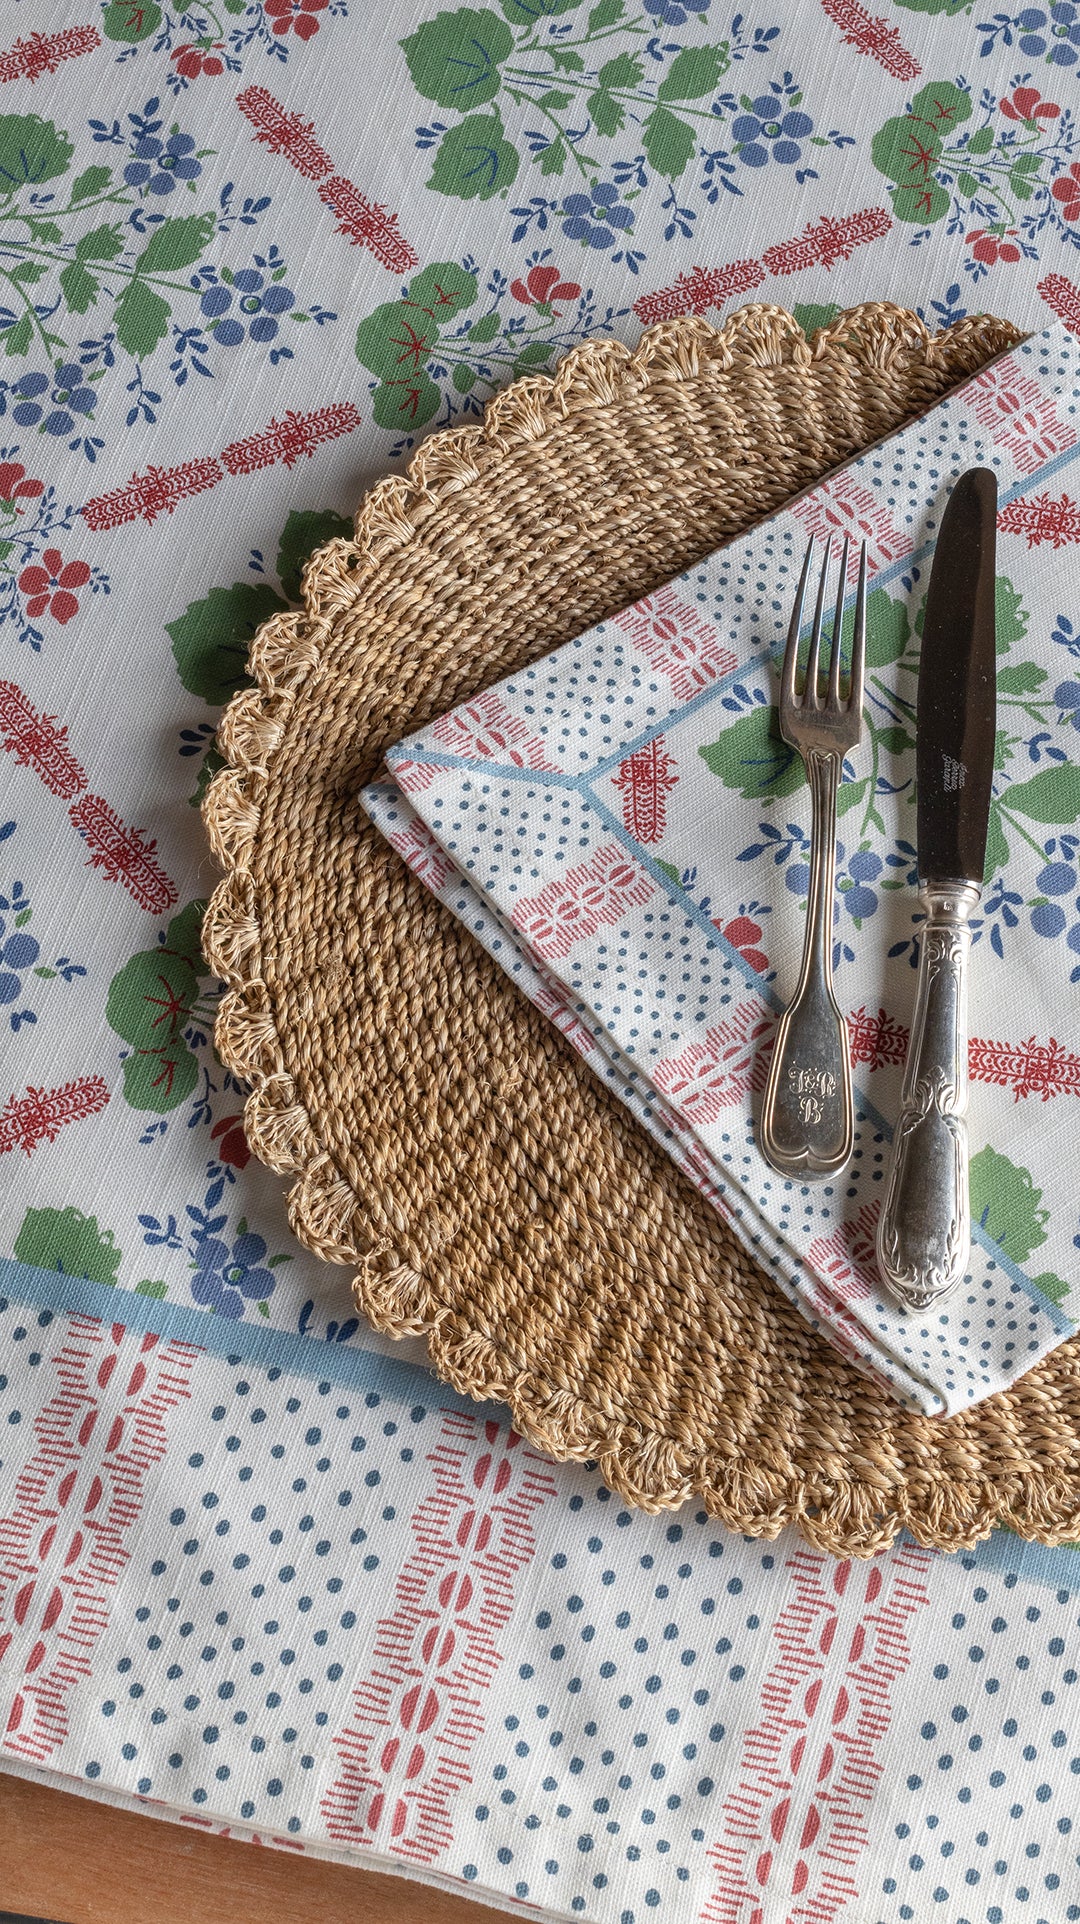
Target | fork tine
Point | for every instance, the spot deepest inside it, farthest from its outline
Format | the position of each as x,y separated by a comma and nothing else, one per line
858,642
791,652
810,685
838,631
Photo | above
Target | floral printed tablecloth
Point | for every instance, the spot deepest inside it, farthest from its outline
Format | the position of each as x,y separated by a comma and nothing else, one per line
256,1573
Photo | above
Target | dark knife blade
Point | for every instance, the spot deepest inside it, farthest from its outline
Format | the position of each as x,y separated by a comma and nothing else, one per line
957,701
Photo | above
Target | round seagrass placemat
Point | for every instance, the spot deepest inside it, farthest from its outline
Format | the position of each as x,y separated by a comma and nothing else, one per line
447,1142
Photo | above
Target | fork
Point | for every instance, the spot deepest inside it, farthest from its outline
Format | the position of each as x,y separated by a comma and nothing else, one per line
808,1123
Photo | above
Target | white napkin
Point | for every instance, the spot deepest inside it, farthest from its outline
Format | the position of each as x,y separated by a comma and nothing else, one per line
621,827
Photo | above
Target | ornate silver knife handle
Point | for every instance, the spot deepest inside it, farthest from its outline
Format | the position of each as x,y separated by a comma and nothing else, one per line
924,1235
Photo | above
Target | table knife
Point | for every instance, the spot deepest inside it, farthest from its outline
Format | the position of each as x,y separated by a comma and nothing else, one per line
924,1233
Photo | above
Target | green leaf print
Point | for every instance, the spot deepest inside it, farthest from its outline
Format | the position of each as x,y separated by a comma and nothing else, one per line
405,404
997,845
753,757
626,70
669,143
1056,1288
90,183
1012,616
887,629
443,289
176,243
605,14
183,936
1005,1202
908,148
1053,795
1023,678
151,998
811,316
79,287
947,7
305,530
210,640
454,59
608,115
102,243
693,73
141,318
159,1079
474,161
529,13
125,20
68,1241
941,106
32,151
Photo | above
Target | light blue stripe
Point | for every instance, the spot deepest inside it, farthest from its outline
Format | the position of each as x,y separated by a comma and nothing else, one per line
346,1364
1058,1569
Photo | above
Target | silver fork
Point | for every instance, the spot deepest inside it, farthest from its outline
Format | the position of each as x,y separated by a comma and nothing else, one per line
808,1124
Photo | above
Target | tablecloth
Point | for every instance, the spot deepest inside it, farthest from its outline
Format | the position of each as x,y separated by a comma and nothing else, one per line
254,1572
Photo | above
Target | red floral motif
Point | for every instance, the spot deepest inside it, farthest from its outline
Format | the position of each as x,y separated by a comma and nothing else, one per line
42,52
811,1765
285,133
993,249
843,506
826,241
646,779
542,287
40,1114
1063,297
123,854
14,487
744,934
231,1141
49,587
367,224
299,15
64,1542
150,494
718,1071
847,1260
489,729
417,845
873,36
1028,1068
419,1710
194,60
1066,190
876,1039
37,742
1026,103
1041,519
696,292
593,895
287,440
678,642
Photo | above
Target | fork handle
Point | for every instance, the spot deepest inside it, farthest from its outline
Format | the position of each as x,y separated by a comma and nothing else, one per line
808,1125
924,1234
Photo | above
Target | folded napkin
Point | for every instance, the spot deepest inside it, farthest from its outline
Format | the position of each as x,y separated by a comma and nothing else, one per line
623,829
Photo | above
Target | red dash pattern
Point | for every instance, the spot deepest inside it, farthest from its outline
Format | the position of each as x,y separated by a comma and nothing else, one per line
64,1541
797,1821
360,220
43,52
419,1710
871,35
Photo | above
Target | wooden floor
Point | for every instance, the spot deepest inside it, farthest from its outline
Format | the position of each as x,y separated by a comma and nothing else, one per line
66,1858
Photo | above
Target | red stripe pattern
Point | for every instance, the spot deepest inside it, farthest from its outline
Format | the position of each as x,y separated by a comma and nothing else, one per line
718,1071
677,642
822,243
40,1114
419,1710
872,35
797,1821
65,1541
159,490
43,52
593,895
843,506
1021,417
362,221
486,728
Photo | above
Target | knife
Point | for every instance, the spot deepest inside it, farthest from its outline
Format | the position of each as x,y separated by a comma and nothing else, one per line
924,1234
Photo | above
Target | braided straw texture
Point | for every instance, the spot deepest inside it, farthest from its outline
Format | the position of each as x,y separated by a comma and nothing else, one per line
445,1140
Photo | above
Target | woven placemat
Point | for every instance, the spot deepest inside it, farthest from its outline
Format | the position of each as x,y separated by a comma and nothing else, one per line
448,1143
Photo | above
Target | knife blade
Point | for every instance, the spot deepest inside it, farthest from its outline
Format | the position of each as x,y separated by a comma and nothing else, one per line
924,1233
